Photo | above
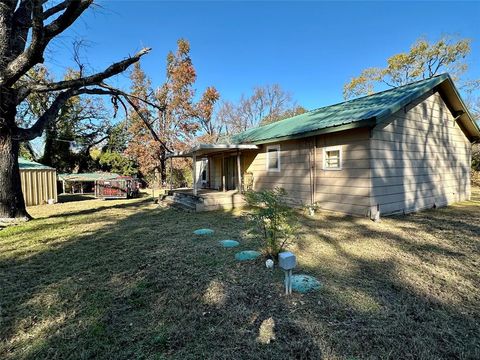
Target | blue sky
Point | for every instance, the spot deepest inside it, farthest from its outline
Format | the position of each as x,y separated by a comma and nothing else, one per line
310,48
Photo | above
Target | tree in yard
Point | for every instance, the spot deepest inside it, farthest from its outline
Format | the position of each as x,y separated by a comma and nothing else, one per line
26,29
141,145
267,104
211,130
116,162
272,219
82,123
423,61
175,118
180,117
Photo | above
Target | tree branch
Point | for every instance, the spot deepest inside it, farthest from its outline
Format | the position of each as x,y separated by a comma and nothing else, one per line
56,9
21,25
72,12
95,79
37,129
22,22
49,115
41,36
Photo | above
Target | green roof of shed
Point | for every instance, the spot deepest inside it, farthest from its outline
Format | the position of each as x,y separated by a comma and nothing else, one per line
88,176
349,114
25,164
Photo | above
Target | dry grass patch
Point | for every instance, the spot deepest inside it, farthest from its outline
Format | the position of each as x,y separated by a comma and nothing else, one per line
127,279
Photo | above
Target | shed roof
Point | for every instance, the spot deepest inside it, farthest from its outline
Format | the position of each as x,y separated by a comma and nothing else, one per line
361,112
88,176
25,164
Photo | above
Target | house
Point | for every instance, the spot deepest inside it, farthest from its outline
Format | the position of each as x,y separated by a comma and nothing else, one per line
396,151
39,182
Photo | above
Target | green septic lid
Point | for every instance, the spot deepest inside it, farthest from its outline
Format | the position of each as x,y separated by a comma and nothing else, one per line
229,243
247,255
305,283
203,232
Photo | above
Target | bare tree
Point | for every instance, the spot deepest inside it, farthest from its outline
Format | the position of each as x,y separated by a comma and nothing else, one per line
26,29
267,104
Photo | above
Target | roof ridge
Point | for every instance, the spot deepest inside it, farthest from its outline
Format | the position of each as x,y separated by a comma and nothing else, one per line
380,92
344,102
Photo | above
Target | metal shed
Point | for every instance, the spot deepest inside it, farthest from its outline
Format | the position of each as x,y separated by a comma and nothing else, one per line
83,183
39,182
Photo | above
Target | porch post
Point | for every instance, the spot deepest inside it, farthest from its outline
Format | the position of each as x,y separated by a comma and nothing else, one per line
224,188
209,172
171,173
194,174
239,172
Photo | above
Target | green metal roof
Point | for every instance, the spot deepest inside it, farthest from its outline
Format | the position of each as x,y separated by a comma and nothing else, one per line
25,164
88,176
353,113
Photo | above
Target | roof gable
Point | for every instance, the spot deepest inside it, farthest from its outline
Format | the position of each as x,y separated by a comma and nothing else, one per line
361,112
25,164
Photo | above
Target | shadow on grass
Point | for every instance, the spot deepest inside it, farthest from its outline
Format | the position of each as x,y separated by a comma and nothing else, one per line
137,288
127,203
66,198
145,287
417,293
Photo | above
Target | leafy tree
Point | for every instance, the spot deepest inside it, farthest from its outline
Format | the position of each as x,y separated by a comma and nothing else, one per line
476,157
211,130
180,118
26,29
422,61
272,219
267,104
141,145
118,138
175,119
118,163
26,151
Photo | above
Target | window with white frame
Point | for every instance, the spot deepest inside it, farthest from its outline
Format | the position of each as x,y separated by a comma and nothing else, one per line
332,158
273,158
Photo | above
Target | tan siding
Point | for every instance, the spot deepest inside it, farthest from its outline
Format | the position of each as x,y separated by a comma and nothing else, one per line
38,186
347,190
294,175
420,159
417,159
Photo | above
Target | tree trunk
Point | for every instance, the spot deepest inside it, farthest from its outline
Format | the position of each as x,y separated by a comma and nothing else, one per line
12,204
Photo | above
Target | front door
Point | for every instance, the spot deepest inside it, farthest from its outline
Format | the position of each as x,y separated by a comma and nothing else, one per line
230,173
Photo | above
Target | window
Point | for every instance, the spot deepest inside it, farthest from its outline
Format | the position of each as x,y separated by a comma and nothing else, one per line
273,158
332,158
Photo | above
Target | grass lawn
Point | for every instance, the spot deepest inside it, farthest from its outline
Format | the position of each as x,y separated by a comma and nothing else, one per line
127,279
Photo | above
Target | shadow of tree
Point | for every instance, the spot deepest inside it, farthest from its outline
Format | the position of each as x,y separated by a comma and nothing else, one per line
143,286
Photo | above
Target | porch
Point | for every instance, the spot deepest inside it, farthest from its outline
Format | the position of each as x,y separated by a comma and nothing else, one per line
205,199
218,177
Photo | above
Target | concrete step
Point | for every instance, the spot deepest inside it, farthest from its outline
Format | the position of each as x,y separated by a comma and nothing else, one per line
185,200
180,203
188,197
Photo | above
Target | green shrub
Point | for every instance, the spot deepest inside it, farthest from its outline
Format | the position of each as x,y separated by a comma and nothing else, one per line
476,157
271,219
